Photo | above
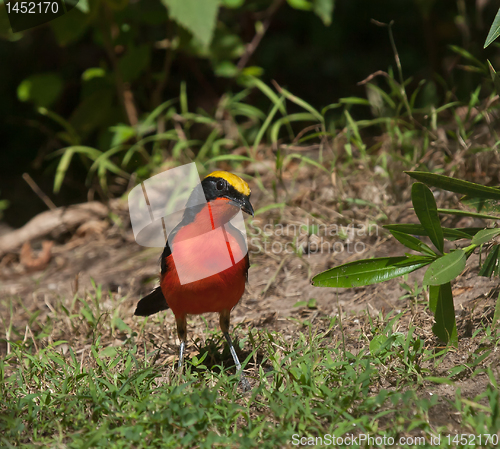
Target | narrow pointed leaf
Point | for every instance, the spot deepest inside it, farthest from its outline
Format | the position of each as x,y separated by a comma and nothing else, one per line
413,243
485,236
445,268
496,315
369,271
426,210
491,262
494,30
482,204
465,213
456,185
449,233
441,304
494,76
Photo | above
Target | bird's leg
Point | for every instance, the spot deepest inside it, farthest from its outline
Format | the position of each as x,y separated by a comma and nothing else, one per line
224,325
182,333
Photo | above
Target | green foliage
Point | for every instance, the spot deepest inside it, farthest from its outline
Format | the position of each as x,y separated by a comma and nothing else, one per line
103,385
442,267
4,204
42,90
494,30
198,17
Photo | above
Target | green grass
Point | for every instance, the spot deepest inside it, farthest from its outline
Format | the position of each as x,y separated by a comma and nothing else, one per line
66,382
315,380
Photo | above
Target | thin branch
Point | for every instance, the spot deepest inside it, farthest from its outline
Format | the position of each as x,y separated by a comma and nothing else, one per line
252,46
167,64
398,64
373,75
34,186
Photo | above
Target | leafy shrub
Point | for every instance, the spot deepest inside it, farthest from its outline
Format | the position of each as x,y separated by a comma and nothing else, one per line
442,267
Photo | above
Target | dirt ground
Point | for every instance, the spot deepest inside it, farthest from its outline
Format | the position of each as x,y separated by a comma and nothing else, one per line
345,217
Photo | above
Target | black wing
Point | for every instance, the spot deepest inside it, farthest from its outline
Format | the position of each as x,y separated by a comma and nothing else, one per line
153,303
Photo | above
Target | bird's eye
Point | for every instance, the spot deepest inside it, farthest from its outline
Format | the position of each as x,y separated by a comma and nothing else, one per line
220,185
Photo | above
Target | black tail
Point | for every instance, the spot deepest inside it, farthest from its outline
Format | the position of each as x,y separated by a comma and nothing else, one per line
153,303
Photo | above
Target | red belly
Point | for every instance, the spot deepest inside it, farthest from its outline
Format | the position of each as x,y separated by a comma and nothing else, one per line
212,294
206,271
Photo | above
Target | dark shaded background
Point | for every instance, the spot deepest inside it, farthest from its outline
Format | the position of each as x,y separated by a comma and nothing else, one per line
317,63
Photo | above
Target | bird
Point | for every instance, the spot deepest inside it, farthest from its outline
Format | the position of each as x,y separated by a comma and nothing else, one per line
197,276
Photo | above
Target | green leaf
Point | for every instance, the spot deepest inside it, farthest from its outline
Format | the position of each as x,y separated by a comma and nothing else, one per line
467,55
67,155
496,315
464,213
378,342
369,271
485,236
439,380
133,63
229,157
312,304
445,268
491,263
441,304
449,233
307,160
482,204
456,185
303,104
42,89
413,243
494,76
197,16
303,5
324,10
121,134
426,210
70,27
226,69
93,111
232,3
121,325
263,209
83,6
494,30
93,72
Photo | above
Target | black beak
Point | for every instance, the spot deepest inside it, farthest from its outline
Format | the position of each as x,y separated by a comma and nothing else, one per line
244,204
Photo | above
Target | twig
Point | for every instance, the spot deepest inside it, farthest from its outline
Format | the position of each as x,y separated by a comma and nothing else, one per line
373,75
398,64
274,276
167,64
252,46
48,202
60,220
